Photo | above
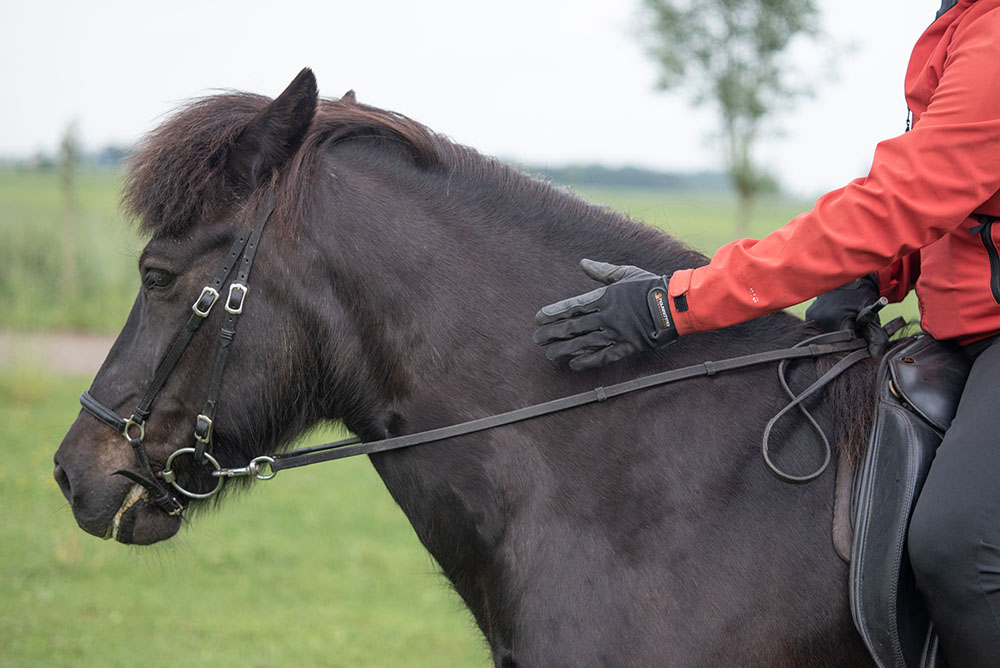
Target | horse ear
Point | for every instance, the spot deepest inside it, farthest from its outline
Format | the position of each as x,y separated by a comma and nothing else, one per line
274,134
349,97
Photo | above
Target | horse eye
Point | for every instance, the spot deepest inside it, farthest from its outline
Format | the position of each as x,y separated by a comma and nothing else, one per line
157,279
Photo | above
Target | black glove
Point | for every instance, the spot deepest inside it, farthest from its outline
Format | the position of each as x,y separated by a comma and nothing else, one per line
838,309
602,326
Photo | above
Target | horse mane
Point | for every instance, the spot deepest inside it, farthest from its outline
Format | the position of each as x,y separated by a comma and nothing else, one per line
176,176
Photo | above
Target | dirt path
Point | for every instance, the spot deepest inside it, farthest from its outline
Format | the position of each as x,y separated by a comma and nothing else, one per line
53,352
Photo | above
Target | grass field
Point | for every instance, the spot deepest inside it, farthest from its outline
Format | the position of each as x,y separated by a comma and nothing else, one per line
87,284
314,568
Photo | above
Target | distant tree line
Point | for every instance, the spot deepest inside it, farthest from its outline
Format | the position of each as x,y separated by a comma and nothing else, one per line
632,177
108,157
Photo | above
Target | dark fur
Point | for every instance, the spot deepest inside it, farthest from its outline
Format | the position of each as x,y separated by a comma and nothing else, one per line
395,291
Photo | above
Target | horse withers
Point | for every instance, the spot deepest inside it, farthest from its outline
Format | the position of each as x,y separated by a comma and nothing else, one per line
394,290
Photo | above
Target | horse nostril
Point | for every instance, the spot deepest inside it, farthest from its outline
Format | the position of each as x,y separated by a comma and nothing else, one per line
63,481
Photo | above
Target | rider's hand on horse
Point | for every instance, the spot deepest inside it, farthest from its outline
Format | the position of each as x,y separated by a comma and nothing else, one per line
628,314
839,308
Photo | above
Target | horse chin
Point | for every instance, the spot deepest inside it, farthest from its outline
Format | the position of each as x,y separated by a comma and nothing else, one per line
141,522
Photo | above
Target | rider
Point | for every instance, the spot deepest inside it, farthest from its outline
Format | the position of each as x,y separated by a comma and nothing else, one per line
922,217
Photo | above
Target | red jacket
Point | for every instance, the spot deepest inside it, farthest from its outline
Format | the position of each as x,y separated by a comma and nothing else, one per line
914,218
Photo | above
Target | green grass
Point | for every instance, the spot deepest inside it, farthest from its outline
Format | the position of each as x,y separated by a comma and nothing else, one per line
88,283
314,568
704,221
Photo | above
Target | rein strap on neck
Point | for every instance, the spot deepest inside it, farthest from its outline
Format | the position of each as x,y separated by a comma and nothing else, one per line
818,346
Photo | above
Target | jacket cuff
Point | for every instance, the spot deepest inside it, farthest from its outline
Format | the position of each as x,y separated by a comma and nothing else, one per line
677,290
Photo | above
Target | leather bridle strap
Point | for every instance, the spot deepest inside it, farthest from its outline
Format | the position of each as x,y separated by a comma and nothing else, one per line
824,344
238,290
200,310
102,412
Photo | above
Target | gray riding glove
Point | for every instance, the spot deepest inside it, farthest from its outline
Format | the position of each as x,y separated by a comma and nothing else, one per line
629,314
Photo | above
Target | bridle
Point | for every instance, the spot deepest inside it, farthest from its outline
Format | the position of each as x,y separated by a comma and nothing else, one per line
133,428
266,467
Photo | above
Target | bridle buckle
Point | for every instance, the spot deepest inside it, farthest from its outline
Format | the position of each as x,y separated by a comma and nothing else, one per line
203,429
206,300
237,293
127,430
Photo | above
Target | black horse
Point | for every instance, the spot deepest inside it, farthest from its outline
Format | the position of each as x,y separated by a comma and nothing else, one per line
395,290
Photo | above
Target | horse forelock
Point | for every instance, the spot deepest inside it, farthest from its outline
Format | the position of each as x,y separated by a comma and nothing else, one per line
176,176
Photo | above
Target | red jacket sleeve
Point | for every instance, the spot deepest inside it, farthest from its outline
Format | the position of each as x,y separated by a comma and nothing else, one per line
896,280
922,185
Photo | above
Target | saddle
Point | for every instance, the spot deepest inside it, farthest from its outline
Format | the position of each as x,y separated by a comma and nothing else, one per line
920,381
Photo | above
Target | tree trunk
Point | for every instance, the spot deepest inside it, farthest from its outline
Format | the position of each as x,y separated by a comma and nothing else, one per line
743,212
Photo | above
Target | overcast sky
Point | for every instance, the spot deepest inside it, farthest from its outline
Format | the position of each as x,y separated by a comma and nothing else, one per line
539,81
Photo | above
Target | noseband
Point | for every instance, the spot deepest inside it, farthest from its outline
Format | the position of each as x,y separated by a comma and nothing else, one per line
134,427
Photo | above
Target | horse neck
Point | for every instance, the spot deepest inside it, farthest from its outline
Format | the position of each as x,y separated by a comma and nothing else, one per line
436,286
439,282
442,275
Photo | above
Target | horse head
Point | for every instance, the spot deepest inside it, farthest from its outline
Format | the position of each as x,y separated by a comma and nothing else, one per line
197,190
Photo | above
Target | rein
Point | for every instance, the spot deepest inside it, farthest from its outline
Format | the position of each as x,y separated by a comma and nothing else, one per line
817,346
266,467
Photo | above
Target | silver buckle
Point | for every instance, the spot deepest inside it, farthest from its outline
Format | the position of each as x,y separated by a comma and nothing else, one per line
133,422
237,293
203,435
209,293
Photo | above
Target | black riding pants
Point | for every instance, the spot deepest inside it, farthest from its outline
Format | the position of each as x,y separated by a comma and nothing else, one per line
954,538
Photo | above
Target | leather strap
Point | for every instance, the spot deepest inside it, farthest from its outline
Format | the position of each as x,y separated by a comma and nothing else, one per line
825,344
183,338
796,402
234,307
102,412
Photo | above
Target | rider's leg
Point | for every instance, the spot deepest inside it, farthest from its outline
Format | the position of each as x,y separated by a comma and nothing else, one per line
954,538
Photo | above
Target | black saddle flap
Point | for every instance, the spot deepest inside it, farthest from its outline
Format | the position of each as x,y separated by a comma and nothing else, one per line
920,382
929,377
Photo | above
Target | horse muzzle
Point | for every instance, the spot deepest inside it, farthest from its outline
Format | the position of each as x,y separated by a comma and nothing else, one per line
115,508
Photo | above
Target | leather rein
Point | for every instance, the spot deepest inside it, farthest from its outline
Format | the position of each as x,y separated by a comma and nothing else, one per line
266,467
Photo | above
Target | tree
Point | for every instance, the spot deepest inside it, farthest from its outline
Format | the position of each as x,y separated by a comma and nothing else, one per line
728,54
69,165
